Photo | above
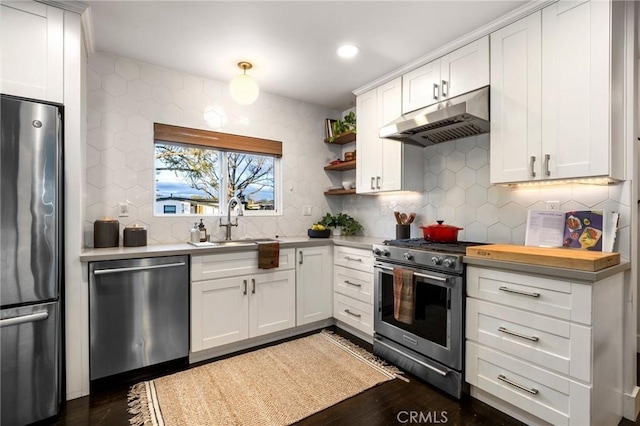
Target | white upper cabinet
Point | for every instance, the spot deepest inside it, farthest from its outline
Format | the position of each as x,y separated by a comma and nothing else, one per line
575,89
384,164
32,46
516,89
552,115
461,71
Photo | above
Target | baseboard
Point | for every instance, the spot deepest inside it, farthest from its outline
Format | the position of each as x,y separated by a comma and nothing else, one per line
631,404
257,341
359,334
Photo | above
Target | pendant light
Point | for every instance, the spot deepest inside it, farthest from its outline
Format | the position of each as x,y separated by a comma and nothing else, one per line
244,89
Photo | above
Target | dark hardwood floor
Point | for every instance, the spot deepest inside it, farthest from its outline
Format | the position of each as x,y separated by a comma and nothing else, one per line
389,403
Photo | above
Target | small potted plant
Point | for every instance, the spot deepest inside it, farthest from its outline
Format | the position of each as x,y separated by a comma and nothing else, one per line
342,224
348,123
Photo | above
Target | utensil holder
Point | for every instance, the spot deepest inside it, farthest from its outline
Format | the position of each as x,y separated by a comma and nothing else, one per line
403,232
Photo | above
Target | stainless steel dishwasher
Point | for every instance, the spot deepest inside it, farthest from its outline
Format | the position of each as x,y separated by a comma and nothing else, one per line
138,313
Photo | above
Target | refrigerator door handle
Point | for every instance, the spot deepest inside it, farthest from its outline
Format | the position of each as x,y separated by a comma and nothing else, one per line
24,319
136,268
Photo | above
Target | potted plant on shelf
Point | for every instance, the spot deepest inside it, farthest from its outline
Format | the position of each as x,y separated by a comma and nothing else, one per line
342,224
339,127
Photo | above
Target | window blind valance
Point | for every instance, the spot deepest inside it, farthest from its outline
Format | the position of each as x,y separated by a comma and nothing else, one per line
225,141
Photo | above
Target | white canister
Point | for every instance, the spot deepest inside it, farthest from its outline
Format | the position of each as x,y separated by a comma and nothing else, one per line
194,234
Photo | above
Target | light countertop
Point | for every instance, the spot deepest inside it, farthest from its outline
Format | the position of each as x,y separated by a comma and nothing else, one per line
562,273
156,250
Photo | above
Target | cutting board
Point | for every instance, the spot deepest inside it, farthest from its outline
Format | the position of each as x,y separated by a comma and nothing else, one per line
568,258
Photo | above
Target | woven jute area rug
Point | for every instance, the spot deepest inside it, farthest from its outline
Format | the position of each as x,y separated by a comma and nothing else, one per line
277,385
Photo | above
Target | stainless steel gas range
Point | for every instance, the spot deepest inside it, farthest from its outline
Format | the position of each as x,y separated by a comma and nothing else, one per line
429,342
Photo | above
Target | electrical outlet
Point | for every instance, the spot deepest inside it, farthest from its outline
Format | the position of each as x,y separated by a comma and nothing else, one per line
553,205
306,210
123,209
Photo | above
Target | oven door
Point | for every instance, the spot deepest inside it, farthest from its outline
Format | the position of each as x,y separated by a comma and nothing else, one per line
437,325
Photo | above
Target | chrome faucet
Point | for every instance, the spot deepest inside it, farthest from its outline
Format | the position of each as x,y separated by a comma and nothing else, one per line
233,202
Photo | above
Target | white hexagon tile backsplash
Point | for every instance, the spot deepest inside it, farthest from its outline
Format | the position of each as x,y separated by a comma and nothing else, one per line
126,97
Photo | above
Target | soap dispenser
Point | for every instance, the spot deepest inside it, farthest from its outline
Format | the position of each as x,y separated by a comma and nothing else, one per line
194,235
203,232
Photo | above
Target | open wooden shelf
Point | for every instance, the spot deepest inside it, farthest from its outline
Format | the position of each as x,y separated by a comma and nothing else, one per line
340,192
346,137
345,165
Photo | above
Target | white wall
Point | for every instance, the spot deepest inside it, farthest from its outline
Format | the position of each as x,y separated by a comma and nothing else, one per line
126,97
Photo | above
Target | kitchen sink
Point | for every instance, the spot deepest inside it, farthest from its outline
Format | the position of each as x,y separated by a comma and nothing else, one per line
247,242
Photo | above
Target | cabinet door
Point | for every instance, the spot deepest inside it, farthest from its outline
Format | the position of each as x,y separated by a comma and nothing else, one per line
465,69
421,87
219,312
272,302
575,92
31,42
368,160
314,285
516,89
390,108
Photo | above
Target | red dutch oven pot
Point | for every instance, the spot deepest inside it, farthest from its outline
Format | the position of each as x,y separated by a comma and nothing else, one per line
441,233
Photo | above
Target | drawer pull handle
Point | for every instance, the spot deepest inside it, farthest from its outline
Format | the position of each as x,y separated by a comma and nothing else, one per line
244,283
524,293
353,284
253,286
517,385
515,333
346,311
355,259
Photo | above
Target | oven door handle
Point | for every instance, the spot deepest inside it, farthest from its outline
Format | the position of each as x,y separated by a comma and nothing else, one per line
418,274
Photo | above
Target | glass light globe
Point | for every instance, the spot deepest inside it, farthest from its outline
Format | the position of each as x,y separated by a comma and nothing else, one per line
244,89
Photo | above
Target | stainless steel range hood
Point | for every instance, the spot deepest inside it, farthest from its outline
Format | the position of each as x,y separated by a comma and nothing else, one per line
459,117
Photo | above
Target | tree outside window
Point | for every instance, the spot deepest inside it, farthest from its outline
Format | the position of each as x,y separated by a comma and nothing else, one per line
191,178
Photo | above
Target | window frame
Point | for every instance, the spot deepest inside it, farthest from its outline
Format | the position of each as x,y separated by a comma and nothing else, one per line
224,144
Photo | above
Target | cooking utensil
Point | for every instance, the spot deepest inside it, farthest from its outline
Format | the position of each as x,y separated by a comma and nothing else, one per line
412,217
403,219
398,220
440,233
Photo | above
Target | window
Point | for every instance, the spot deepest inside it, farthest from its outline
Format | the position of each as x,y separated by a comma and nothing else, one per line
199,179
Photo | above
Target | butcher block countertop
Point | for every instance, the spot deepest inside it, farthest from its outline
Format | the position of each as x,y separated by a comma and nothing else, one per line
576,264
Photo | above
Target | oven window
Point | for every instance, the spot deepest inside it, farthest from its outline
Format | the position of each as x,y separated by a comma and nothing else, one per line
431,313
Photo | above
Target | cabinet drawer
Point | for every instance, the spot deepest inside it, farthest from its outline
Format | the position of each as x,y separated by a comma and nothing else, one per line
557,345
349,257
211,266
547,296
353,283
553,398
353,312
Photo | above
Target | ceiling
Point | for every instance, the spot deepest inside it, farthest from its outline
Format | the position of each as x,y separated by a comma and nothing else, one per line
291,44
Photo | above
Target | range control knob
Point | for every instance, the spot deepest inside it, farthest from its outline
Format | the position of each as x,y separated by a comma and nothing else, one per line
408,256
449,263
386,253
436,260
377,252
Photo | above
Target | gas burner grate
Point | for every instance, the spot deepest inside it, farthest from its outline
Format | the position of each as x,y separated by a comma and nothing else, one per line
422,244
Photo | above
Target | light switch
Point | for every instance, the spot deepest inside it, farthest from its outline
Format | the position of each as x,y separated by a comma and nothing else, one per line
123,209
306,210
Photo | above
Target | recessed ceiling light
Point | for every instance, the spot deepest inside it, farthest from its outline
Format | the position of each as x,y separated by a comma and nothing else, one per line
347,51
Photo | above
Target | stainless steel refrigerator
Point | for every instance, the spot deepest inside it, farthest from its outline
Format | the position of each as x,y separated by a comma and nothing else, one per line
31,260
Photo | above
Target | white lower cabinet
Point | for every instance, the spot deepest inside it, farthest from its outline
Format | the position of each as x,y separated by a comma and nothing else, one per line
550,347
313,284
353,288
248,304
